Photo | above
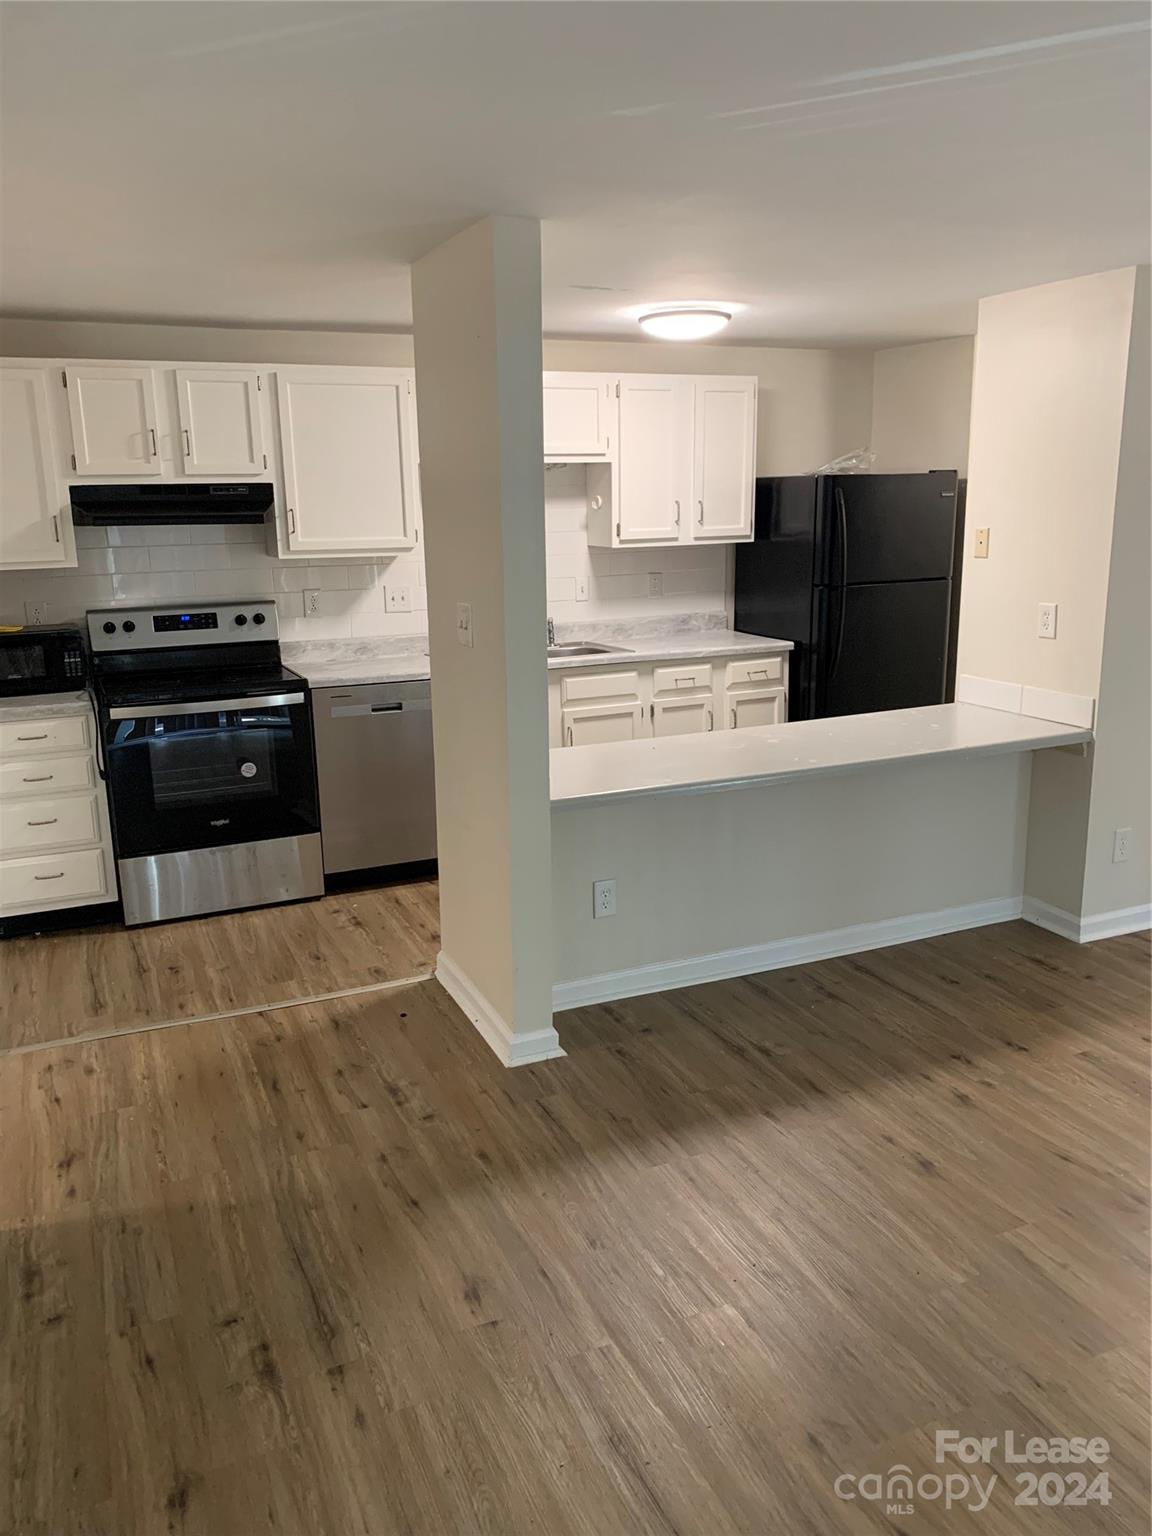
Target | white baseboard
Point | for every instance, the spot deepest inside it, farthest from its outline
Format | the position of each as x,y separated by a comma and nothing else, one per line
724,964
1086,930
514,1050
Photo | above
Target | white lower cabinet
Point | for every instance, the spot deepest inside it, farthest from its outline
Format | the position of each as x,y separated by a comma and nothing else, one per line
55,849
592,705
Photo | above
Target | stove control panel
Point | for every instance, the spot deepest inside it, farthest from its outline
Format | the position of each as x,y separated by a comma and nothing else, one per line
149,629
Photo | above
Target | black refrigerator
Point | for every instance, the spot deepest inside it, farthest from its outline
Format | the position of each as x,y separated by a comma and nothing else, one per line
856,570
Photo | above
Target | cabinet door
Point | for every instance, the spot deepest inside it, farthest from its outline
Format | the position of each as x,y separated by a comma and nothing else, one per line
725,458
34,532
220,430
349,466
590,724
682,717
766,706
654,454
577,415
113,413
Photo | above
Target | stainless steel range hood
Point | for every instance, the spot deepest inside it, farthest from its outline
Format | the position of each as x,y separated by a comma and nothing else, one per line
108,506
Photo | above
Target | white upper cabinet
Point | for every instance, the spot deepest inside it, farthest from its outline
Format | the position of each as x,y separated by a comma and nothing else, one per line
724,458
220,427
349,452
113,415
578,415
34,531
683,469
654,458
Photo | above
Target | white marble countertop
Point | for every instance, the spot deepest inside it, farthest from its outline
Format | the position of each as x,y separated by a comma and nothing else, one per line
773,754
344,663
45,706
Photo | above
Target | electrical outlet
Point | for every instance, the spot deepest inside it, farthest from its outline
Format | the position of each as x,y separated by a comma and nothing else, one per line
312,600
1046,623
604,898
464,624
980,544
655,584
398,599
1121,845
36,611
581,589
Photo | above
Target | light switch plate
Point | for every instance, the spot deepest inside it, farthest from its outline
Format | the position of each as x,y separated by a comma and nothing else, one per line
397,599
464,624
581,589
980,544
655,584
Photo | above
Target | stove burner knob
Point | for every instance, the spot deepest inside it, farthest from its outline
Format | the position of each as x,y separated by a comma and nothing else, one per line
109,628
129,626
241,618
258,618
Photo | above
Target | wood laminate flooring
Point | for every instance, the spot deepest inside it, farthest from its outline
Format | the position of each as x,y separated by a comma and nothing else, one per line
56,986
334,1270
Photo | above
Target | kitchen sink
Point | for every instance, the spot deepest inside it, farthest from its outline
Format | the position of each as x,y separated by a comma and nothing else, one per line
578,648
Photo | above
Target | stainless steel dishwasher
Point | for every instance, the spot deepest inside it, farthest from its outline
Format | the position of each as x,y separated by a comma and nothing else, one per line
377,789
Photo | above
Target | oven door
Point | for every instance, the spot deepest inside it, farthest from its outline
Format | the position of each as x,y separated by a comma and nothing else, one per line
210,774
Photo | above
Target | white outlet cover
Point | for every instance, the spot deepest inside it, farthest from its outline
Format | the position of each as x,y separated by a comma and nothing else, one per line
311,600
1046,621
604,898
464,624
655,584
36,610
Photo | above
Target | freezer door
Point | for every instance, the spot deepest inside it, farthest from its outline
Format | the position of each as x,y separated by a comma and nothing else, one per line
774,574
881,646
873,528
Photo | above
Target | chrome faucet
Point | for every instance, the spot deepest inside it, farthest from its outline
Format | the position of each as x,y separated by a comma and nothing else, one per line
551,634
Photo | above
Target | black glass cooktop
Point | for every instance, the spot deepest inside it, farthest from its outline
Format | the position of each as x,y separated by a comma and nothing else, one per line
128,690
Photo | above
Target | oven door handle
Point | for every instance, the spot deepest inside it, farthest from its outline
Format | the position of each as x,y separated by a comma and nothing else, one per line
202,706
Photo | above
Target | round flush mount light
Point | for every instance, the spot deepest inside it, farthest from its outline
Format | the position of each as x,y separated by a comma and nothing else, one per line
686,322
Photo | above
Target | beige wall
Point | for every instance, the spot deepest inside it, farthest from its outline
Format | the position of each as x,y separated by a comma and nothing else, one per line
1047,405
699,874
476,300
814,404
921,405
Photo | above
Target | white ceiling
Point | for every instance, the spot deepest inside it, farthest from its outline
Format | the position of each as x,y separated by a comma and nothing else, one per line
850,172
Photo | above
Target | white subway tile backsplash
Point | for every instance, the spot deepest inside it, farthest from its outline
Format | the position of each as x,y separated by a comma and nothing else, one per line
168,564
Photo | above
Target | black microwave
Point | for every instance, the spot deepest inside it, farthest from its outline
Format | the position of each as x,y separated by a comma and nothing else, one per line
42,658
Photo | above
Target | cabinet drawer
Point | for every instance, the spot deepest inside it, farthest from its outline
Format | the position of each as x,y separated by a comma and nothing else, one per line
679,679
62,733
759,670
27,826
599,683
59,879
47,776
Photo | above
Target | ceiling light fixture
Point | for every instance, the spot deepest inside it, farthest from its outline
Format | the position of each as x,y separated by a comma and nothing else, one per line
687,322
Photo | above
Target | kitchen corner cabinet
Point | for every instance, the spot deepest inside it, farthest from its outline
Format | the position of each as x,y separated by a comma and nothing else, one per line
35,528
591,705
349,452
220,427
579,415
684,467
115,430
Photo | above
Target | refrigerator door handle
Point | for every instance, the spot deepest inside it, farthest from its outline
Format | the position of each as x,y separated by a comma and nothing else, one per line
842,520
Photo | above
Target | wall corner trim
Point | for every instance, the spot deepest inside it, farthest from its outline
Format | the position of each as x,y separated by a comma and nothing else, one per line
514,1050
1085,930
723,965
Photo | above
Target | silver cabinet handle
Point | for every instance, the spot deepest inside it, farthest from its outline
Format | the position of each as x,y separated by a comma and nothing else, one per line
569,735
204,706
677,505
187,443
291,520
55,527
700,518
732,723
155,451
58,876
51,822
43,737
39,778
710,720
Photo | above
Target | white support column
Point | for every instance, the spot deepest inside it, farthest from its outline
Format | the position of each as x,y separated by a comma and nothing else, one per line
476,305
